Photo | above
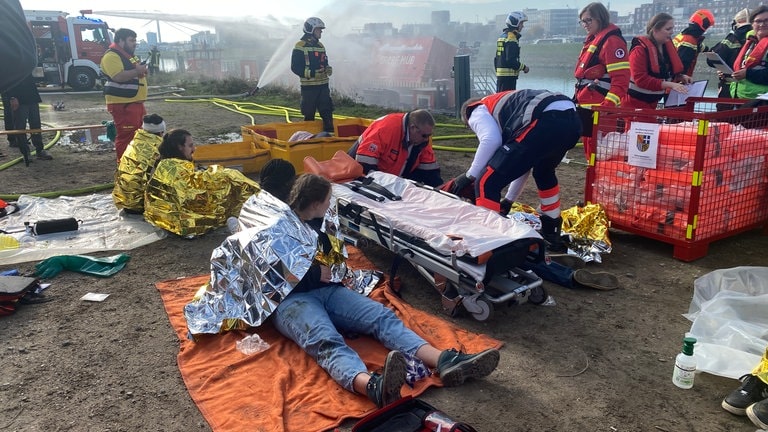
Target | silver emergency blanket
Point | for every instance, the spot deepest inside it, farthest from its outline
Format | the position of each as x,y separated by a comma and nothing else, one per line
253,269
446,224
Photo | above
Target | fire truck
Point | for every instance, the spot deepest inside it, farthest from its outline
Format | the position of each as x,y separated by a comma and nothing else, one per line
69,49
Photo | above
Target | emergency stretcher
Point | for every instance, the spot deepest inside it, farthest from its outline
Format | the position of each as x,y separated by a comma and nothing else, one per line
469,254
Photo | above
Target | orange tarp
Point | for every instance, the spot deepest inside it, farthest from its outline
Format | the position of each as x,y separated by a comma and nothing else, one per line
282,389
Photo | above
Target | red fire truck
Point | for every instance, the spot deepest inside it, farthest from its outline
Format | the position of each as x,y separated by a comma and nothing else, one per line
69,49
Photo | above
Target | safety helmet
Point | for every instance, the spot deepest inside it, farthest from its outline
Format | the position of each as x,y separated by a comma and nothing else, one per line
703,18
514,19
313,23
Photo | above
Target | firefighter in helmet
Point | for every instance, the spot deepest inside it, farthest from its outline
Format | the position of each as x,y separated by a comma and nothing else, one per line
690,42
507,61
310,63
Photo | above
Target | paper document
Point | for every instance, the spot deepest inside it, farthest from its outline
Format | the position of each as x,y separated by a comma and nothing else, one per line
695,89
714,60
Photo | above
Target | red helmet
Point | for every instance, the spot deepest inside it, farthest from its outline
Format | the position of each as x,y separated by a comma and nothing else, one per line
703,18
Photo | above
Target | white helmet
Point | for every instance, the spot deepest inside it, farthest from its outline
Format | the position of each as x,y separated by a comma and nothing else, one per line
313,23
514,19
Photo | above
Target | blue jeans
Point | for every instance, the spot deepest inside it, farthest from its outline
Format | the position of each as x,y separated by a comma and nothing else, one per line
316,320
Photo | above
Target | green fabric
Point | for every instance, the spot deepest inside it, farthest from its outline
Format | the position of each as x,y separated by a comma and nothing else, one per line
102,267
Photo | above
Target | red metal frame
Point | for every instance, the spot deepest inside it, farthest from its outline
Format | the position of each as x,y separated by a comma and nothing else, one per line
710,180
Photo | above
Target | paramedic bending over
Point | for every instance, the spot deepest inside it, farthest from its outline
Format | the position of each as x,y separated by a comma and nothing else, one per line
317,313
519,131
400,144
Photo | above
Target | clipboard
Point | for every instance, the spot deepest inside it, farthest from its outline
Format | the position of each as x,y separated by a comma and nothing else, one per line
717,62
695,89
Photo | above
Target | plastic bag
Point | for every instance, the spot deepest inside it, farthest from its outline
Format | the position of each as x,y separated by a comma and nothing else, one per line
729,321
252,344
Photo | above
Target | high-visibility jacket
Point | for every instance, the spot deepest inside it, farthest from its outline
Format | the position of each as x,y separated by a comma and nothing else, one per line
310,62
602,71
507,60
516,110
384,144
689,43
134,90
754,58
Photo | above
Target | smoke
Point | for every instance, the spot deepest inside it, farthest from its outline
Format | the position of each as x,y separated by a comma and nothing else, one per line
366,66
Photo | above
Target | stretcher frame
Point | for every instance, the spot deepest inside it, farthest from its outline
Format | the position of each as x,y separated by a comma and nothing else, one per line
458,289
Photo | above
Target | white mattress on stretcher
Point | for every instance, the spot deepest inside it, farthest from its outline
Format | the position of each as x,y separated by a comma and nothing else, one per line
445,223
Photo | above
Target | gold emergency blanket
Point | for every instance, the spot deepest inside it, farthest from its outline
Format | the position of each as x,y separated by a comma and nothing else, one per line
588,227
191,202
134,171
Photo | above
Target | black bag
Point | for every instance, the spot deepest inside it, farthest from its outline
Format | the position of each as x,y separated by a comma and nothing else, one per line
13,289
409,415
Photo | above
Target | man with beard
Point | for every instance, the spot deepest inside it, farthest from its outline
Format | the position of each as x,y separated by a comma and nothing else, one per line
126,87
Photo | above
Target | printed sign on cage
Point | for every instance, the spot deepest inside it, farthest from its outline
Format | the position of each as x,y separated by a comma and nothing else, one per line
643,144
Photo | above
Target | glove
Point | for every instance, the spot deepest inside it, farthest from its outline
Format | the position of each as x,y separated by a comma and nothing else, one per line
459,183
328,71
102,267
506,206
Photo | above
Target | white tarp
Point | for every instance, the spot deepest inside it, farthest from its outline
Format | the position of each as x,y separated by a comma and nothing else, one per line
729,311
103,227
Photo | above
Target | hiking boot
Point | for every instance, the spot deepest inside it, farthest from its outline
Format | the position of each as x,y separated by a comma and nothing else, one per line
43,155
455,367
752,390
758,413
384,388
551,231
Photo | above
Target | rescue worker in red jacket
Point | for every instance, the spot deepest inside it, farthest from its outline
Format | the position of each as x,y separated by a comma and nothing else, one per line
507,61
400,144
654,64
519,131
602,71
690,42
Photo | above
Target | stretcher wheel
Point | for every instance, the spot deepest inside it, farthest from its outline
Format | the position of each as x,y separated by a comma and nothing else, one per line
482,310
538,295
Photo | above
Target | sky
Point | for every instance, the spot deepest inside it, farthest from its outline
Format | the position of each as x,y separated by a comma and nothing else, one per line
293,12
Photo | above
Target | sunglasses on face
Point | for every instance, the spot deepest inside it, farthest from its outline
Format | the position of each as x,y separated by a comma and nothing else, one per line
423,135
586,21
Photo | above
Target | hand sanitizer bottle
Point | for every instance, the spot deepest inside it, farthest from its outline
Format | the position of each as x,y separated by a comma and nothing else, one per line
685,365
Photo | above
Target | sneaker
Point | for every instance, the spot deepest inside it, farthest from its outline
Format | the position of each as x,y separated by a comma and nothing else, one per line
752,390
43,155
758,413
455,367
384,388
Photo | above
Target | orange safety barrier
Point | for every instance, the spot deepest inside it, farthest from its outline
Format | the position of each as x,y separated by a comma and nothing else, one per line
710,180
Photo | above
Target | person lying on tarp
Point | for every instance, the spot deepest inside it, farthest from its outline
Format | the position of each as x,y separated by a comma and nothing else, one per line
135,167
187,201
400,144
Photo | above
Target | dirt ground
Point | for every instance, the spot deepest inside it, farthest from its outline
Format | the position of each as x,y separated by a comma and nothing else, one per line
594,361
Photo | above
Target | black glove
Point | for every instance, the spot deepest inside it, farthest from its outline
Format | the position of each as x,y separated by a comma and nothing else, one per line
506,206
459,183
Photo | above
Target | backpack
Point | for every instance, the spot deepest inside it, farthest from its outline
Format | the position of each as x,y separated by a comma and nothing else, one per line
409,415
14,290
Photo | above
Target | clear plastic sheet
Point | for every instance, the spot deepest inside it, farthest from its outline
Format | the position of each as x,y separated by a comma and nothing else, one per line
103,228
730,323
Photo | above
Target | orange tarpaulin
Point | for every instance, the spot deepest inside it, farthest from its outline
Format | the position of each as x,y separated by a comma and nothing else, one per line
282,388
